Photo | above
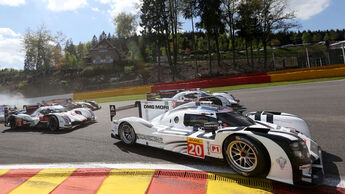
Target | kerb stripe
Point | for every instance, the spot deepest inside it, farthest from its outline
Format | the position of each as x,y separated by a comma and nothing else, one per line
225,183
82,181
14,178
126,181
178,182
44,182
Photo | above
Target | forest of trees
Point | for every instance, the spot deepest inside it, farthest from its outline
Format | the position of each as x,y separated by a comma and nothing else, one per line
217,26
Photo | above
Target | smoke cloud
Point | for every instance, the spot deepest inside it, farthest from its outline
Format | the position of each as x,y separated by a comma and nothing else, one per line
16,99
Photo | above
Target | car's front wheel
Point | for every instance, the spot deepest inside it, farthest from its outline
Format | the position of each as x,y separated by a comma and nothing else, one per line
245,156
127,134
53,123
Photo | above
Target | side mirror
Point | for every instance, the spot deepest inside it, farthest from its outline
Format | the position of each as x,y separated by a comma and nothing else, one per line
211,127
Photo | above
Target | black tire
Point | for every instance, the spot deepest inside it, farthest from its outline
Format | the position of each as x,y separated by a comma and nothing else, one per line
249,160
127,134
13,123
53,123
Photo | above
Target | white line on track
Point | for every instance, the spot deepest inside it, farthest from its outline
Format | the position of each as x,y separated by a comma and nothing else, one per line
331,181
162,166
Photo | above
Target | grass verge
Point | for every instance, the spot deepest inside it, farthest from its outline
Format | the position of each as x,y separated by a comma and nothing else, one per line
219,89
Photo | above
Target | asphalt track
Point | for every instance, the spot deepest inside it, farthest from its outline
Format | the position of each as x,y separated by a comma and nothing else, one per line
321,104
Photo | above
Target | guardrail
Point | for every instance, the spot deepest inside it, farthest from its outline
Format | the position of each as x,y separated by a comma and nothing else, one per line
254,78
214,82
112,92
308,74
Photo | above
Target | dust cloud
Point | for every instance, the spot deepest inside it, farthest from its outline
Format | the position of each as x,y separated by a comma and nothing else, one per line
16,99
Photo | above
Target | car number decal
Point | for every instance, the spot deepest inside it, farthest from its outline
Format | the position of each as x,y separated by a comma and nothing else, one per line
195,147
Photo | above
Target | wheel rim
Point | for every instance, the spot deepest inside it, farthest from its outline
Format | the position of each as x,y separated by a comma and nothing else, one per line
128,134
242,156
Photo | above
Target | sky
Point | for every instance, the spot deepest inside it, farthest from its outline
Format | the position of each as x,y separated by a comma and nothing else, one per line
79,20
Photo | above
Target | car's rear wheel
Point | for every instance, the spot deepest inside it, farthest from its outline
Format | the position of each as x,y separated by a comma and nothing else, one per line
127,134
13,123
53,123
245,155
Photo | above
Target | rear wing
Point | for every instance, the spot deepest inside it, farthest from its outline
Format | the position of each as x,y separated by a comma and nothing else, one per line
148,110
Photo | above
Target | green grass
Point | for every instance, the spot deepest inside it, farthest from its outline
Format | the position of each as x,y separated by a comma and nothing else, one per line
119,98
220,89
249,86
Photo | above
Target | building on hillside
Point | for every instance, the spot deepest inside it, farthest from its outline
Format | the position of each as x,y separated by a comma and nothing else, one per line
102,53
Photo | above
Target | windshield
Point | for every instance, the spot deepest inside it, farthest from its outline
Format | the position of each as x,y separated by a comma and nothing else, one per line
58,110
231,119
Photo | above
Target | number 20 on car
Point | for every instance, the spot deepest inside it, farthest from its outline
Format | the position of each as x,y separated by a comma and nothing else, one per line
195,147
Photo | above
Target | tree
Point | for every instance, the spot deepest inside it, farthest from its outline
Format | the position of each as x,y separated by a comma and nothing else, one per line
223,42
317,37
273,16
173,9
230,10
102,36
81,52
333,35
248,25
70,47
326,37
154,20
201,43
39,50
125,25
306,37
94,41
57,55
210,20
189,10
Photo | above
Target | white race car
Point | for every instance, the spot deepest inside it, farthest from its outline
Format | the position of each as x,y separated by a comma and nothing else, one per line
52,117
251,148
181,96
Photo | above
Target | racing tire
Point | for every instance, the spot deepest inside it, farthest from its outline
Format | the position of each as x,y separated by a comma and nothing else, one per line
13,123
53,124
246,156
127,134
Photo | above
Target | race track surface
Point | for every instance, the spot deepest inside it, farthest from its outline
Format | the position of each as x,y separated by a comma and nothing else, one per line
321,104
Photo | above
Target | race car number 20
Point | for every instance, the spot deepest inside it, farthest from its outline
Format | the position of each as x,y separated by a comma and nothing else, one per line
195,147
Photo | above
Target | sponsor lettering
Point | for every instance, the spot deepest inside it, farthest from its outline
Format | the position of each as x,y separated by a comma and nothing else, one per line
195,147
215,148
150,138
164,107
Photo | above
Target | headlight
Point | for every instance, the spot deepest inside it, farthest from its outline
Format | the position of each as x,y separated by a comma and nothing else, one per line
300,150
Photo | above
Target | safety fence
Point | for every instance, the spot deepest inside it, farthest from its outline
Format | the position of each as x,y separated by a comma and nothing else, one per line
254,78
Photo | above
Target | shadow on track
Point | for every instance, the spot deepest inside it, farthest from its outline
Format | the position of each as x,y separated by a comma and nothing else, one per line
169,155
331,170
46,131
